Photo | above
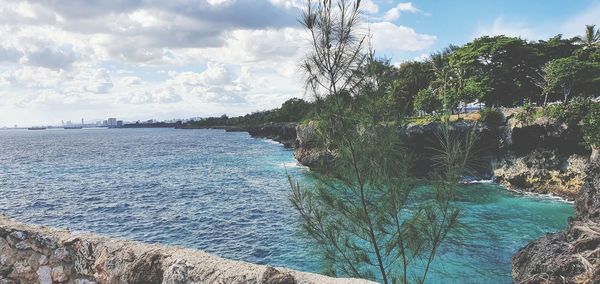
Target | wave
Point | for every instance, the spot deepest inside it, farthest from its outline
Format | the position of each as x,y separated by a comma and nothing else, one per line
525,193
294,164
539,195
477,181
271,141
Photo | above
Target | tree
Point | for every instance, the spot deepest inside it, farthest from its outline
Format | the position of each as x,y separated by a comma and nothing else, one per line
443,72
427,101
360,214
564,75
508,62
410,78
357,210
337,49
591,130
591,37
554,48
293,110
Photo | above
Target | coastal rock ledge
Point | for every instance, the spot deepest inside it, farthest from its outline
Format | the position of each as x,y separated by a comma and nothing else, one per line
572,255
31,254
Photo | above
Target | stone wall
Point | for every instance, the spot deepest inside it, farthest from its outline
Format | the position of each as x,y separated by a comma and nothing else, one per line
31,254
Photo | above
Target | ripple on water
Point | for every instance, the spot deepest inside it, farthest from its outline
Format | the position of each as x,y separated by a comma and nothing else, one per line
227,194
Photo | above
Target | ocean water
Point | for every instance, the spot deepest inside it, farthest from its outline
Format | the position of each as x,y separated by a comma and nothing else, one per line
227,193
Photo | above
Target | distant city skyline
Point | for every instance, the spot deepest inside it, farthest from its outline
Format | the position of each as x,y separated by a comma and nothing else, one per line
63,60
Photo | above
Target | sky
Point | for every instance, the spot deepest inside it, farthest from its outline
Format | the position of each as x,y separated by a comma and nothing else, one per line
143,59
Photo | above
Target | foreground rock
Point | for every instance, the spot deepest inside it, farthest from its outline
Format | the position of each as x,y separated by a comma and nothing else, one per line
570,256
30,254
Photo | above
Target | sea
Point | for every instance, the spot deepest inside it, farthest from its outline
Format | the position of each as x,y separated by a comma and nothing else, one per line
228,194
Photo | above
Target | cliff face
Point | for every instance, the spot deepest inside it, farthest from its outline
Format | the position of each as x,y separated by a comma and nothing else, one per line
284,133
542,157
570,256
30,254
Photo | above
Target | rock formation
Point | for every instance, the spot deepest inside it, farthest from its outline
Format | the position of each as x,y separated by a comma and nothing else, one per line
570,256
544,156
30,254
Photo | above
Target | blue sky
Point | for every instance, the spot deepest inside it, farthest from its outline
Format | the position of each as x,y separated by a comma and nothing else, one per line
142,59
459,21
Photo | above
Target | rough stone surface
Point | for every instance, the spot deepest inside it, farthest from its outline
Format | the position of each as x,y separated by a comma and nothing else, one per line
86,258
543,156
284,133
309,150
570,256
543,171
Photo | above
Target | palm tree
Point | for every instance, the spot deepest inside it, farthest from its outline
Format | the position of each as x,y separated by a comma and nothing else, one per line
591,38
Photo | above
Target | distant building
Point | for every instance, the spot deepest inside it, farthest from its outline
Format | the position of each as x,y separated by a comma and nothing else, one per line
119,123
111,121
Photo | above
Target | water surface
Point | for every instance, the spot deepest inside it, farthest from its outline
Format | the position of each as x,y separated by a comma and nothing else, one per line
226,193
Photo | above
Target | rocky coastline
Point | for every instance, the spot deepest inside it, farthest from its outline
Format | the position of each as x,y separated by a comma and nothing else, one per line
544,156
32,254
572,255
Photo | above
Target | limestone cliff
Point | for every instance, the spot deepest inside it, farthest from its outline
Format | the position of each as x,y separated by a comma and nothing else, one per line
30,254
543,156
570,256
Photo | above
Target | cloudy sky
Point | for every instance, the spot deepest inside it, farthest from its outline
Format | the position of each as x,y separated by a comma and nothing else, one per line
142,59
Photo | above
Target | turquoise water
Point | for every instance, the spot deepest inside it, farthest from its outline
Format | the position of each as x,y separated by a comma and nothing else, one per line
226,193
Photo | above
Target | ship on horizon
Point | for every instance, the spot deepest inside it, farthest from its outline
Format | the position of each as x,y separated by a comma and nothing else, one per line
36,128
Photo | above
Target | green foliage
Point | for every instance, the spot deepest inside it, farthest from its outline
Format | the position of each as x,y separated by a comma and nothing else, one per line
591,38
427,101
507,61
591,126
571,112
491,117
358,212
555,47
409,78
292,110
525,115
568,75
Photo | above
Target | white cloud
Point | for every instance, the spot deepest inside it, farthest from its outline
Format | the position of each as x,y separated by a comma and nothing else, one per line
61,57
394,13
161,95
369,6
575,25
509,28
129,81
100,83
390,37
220,2
124,58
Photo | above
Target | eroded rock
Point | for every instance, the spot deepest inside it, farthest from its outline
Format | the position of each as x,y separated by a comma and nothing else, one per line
570,256
85,258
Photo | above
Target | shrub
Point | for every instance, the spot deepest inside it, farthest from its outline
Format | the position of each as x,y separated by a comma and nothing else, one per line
427,101
525,114
591,126
491,117
571,112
